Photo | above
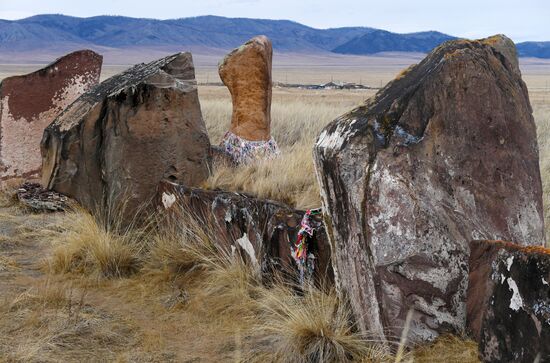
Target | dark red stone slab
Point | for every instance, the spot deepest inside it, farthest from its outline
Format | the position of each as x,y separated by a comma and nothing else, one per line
31,102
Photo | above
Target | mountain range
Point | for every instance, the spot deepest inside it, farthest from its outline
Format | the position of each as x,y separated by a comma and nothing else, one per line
47,32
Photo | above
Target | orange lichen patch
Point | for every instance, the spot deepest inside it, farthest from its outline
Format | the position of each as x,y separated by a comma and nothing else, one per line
510,246
455,53
404,72
494,40
464,41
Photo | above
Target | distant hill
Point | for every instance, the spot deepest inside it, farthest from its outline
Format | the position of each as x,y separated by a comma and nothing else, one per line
208,31
534,49
54,34
383,41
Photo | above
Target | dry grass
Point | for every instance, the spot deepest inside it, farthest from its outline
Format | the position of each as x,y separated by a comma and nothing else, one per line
311,327
223,289
84,243
8,190
448,349
288,179
297,119
188,251
7,263
282,324
42,323
541,111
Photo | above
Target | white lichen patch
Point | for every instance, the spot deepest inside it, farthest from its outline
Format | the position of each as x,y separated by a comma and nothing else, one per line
246,245
509,262
527,225
228,216
516,302
407,138
465,201
437,309
168,200
544,282
335,139
20,141
392,225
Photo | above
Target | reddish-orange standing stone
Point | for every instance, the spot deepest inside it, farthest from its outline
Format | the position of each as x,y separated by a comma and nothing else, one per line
31,102
246,71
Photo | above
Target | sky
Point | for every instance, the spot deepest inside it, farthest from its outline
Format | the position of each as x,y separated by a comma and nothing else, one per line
519,19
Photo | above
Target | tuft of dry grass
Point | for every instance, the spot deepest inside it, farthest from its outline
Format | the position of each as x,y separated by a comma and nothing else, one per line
313,326
7,263
223,283
280,322
82,243
8,193
448,349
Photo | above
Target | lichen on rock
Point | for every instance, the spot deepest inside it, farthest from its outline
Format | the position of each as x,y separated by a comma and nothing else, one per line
419,170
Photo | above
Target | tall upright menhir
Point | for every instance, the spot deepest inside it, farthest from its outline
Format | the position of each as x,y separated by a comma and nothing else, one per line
441,156
246,71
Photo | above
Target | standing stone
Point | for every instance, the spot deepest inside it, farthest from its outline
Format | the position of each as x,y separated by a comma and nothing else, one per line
509,301
31,102
443,155
119,140
246,72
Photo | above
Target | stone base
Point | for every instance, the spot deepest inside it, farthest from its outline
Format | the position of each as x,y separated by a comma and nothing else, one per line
243,151
34,196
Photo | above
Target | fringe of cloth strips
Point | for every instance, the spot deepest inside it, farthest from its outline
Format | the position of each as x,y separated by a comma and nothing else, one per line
244,151
305,260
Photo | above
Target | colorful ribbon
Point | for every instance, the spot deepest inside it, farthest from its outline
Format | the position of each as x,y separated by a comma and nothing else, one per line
299,250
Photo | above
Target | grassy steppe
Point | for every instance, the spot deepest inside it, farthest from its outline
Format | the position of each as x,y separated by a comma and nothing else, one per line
74,288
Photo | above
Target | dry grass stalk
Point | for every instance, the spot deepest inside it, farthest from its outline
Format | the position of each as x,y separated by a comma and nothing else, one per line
448,349
187,250
85,244
54,318
313,326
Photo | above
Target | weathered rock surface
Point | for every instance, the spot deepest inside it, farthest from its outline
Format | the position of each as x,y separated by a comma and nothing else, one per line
246,72
119,140
36,197
444,154
262,230
31,102
509,301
